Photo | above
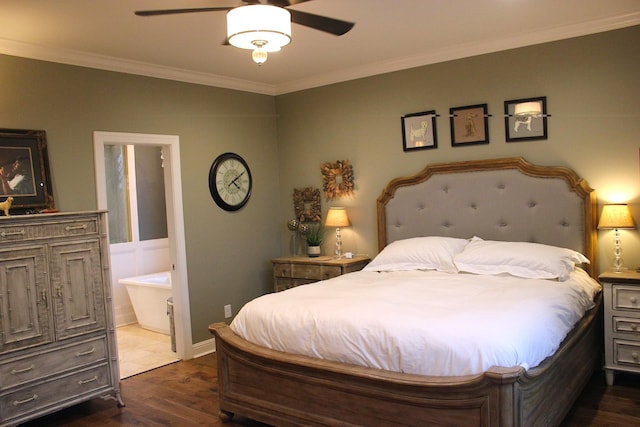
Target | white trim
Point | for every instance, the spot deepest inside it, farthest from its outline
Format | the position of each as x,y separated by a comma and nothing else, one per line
450,53
73,57
175,219
203,348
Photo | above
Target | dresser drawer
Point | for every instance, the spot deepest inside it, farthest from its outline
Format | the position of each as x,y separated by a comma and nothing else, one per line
626,324
22,370
17,231
627,352
626,298
49,393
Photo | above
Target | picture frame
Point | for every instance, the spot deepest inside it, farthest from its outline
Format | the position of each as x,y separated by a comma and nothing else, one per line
419,131
469,125
24,171
525,119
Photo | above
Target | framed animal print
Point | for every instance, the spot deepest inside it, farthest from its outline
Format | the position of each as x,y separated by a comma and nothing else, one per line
419,131
525,119
469,125
24,171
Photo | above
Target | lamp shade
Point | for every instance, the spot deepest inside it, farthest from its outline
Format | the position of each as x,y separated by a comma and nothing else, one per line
337,217
259,25
616,216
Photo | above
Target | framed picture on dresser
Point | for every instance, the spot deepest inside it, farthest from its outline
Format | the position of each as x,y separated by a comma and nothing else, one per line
24,170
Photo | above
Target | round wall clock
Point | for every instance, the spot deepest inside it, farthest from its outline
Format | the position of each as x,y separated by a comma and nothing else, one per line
230,181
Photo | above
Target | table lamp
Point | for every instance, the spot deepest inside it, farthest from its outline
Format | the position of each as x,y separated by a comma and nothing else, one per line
337,217
615,217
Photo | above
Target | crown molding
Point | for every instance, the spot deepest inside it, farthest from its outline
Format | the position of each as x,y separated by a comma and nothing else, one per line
450,53
102,62
83,59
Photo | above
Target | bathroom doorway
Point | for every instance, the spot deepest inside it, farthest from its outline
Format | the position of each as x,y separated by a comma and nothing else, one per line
153,243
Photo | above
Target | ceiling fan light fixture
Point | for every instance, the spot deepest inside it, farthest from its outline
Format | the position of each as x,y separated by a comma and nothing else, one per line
259,27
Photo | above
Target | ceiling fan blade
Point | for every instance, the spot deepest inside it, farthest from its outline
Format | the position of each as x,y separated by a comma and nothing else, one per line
178,11
322,23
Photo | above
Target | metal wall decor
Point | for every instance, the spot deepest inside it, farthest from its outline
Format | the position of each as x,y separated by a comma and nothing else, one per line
306,204
337,179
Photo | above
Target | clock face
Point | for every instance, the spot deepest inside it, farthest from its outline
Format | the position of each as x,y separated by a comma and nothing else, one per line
230,181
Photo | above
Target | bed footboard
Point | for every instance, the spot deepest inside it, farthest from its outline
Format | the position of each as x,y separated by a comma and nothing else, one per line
290,390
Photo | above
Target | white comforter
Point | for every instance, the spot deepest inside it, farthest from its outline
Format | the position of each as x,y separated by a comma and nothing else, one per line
421,322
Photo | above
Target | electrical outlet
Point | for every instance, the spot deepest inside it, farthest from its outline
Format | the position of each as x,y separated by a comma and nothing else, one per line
227,311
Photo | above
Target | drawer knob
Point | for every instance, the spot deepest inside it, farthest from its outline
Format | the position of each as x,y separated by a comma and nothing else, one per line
90,380
12,233
633,300
634,327
22,402
86,353
634,355
22,371
75,227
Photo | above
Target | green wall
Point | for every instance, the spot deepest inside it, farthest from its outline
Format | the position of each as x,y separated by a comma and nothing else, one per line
227,254
593,94
592,90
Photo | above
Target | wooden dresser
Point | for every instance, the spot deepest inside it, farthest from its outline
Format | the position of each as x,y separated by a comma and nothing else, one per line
289,272
621,322
57,334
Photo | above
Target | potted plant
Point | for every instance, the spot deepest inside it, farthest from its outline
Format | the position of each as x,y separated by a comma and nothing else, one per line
314,239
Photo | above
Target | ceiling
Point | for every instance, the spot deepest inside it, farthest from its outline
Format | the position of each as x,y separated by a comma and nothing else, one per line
389,35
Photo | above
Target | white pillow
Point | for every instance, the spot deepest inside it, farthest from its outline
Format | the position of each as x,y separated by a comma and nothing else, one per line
418,253
521,259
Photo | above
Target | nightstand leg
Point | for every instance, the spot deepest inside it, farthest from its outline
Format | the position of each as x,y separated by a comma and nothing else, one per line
609,374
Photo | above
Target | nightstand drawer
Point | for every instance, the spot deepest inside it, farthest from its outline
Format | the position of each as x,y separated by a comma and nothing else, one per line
289,272
286,283
626,324
282,270
303,271
627,352
626,298
329,272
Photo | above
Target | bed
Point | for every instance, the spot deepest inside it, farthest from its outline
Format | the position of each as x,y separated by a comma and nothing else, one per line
502,200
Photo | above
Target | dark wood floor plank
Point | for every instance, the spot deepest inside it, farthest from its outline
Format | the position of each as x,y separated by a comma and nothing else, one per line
184,394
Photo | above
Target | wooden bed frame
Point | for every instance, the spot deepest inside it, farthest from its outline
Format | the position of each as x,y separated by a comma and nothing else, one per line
291,390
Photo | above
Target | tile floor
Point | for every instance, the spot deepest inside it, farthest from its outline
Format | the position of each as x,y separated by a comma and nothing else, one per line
141,350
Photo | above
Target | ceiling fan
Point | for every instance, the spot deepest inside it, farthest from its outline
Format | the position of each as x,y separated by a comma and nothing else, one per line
263,25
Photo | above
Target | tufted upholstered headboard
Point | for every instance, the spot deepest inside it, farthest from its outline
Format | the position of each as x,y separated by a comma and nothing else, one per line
503,199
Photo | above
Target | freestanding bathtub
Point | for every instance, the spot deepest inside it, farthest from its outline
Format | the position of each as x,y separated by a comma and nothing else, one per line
149,294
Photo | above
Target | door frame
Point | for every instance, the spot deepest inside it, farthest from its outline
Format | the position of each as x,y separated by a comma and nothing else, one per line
175,219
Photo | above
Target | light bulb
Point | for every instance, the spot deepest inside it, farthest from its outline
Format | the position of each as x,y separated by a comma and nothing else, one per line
259,55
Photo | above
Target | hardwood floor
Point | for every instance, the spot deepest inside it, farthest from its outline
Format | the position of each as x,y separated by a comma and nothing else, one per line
184,394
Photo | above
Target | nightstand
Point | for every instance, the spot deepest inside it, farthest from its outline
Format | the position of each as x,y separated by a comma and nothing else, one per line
621,322
289,272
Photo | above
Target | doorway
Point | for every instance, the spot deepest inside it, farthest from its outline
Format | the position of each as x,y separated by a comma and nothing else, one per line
169,144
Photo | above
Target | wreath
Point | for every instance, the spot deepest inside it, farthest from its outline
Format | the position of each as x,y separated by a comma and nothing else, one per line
337,178
306,204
